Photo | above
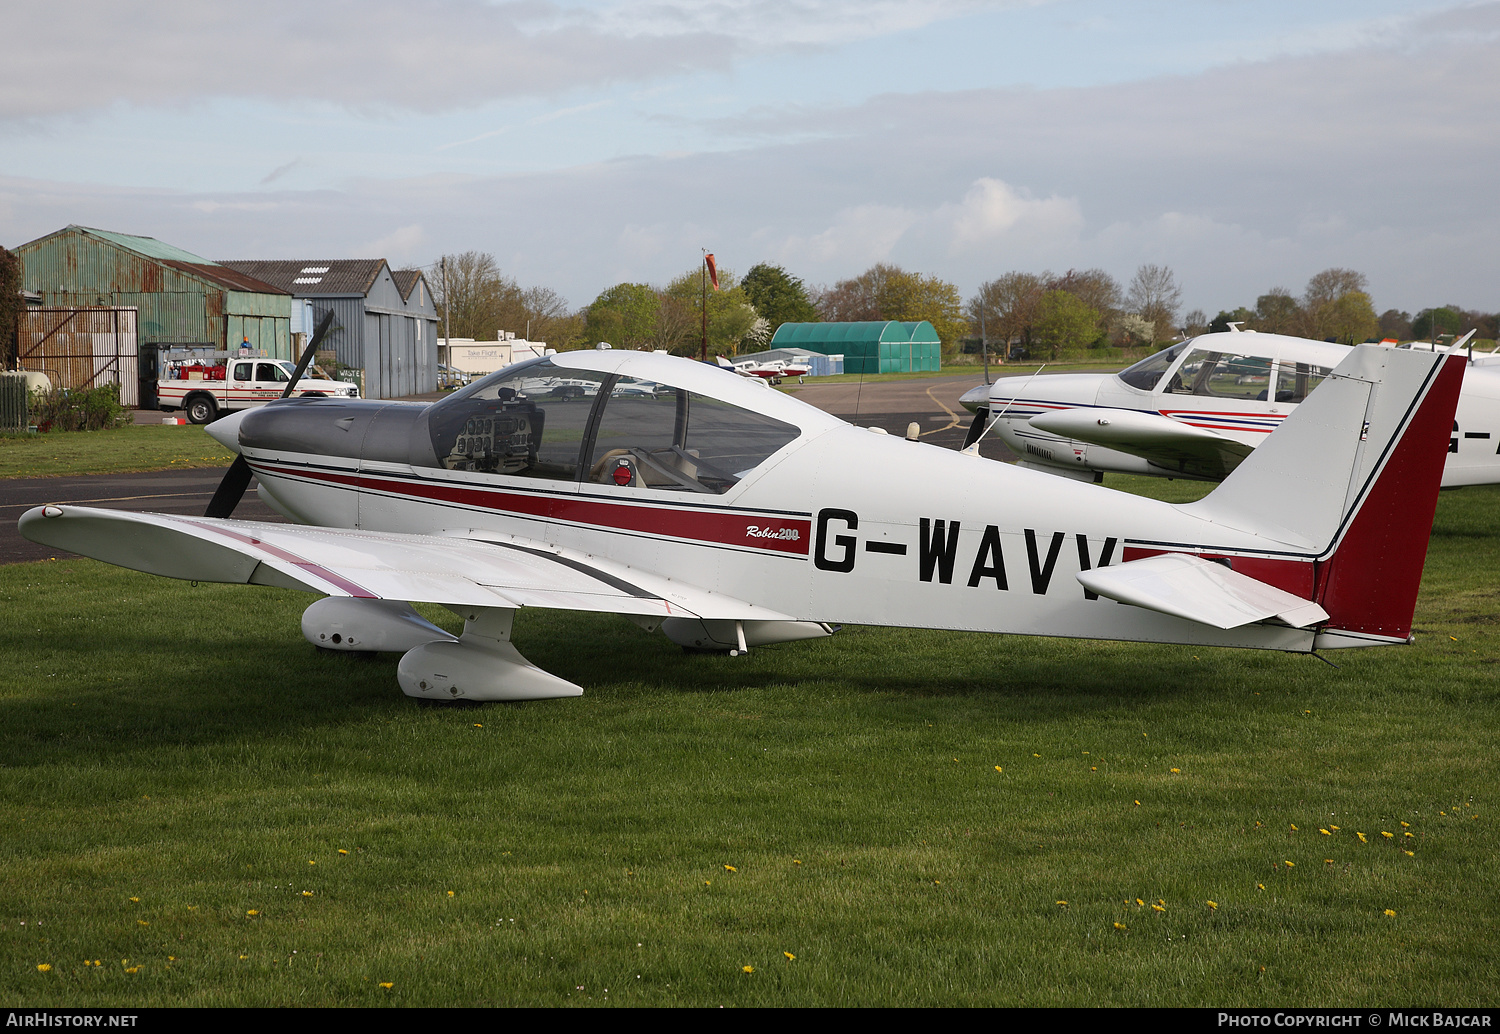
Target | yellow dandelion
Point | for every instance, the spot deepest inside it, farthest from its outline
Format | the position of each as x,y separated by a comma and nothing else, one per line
1161,901
307,894
1260,886
1388,836
708,883
1036,755
1177,771
747,969
171,958
731,868
1293,825
1213,904
1412,835
937,883
1333,827
1291,865
1119,926
1390,912
1139,903
1409,854
789,956
1361,836
796,861
143,922
44,967
999,769
1325,832
450,893
478,725
1062,902
1406,825
1328,861
1093,768
311,862
137,900
342,851
387,985
1157,908
252,912
132,969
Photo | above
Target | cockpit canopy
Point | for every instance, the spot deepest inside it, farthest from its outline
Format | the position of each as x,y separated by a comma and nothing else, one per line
538,419
1236,366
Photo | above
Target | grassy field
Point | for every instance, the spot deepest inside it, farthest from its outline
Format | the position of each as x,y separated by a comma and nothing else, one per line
120,449
218,815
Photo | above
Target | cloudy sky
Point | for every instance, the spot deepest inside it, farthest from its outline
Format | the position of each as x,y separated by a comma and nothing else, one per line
586,142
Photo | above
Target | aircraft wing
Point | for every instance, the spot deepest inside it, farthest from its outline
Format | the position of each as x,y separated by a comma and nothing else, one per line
452,570
1200,590
1160,440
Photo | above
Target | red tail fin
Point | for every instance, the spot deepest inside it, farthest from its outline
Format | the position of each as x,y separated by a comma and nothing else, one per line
1368,585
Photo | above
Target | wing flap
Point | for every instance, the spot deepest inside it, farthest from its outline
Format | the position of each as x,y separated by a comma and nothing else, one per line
1190,587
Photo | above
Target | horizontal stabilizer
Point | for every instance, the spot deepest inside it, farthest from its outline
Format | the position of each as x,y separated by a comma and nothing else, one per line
1190,587
1170,444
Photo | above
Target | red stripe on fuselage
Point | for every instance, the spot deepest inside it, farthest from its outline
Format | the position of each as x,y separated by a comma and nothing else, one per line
755,530
1293,576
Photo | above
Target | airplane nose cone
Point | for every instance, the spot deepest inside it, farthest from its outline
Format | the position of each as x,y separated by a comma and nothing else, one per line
226,430
975,397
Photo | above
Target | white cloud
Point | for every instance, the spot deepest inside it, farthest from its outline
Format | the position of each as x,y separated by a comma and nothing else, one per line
993,209
405,246
379,55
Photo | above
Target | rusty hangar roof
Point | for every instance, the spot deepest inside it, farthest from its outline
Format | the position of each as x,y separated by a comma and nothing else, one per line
313,277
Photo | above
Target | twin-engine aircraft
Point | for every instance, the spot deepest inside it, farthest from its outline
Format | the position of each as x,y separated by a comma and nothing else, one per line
695,502
1197,409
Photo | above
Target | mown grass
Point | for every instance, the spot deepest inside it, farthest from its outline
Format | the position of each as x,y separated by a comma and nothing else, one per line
115,450
183,746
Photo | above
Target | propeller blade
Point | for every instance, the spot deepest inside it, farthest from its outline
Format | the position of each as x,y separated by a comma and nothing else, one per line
230,490
307,353
977,427
237,478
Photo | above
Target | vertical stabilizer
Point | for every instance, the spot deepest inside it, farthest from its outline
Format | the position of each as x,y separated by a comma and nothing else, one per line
1351,480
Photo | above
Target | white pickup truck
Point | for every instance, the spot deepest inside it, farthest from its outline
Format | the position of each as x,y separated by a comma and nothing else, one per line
205,390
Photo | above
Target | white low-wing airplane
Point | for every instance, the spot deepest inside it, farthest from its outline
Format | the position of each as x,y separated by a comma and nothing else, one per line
1197,409
690,500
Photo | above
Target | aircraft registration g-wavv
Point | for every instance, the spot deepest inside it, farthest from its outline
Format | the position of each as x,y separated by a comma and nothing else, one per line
692,501
1198,408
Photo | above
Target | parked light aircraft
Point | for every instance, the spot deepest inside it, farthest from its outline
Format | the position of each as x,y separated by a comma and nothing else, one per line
771,371
727,516
1197,409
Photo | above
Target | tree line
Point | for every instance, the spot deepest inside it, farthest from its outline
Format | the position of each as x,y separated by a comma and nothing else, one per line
1046,313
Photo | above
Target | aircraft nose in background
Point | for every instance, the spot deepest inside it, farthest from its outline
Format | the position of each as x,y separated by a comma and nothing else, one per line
226,430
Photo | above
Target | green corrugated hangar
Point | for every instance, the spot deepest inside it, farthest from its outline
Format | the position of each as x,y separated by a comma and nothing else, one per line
868,347
182,298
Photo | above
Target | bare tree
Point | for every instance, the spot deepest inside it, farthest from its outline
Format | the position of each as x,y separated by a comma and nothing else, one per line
1009,304
1155,295
474,298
